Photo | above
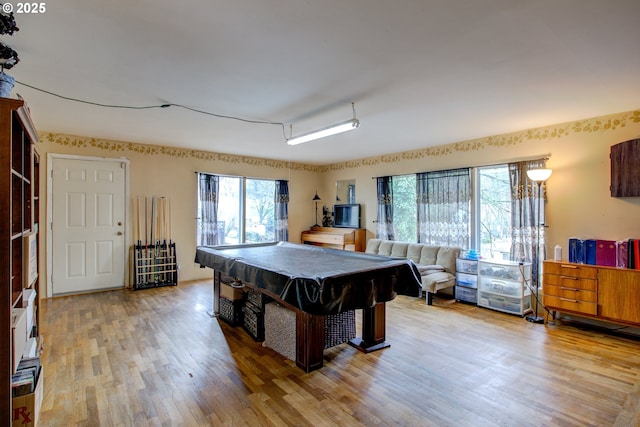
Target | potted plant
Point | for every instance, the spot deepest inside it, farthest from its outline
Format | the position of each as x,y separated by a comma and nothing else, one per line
8,56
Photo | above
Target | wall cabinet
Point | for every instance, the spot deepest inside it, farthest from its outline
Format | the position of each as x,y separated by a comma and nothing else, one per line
625,157
19,206
606,293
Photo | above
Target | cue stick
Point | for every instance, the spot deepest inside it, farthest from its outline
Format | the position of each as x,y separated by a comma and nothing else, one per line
170,245
154,215
163,247
146,238
138,248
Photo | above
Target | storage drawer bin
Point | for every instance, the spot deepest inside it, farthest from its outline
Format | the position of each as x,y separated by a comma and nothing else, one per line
467,280
503,303
467,266
466,294
505,270
502,287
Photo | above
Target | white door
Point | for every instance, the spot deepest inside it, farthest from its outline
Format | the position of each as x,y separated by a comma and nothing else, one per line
87,225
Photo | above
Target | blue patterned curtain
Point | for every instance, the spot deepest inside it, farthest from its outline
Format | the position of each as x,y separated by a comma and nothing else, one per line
210,231
444,203
282,210
524,211
385,229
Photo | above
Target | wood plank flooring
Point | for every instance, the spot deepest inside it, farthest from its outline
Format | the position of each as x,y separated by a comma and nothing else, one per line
155,358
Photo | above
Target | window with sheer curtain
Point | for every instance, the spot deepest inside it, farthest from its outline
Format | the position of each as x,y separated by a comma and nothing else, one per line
444,206
234,209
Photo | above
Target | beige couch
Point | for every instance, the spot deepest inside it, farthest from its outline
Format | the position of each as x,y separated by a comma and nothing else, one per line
437,264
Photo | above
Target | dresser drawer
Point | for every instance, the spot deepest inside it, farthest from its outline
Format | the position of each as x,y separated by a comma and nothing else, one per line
570,293
560,303
570,282
571,270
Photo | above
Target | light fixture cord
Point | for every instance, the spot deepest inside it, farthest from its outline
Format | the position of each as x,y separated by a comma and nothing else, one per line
147,107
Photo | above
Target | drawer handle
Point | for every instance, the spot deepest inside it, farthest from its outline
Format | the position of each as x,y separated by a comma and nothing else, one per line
568,278
569,289
569,300
568,266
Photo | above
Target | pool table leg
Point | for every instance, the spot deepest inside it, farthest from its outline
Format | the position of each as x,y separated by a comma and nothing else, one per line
373,330
309,341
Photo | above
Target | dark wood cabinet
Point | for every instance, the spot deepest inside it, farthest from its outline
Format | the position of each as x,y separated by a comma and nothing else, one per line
19,202
625,160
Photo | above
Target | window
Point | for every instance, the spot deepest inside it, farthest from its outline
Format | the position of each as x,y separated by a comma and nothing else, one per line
405,208
491,199
493,216
260,211
245,210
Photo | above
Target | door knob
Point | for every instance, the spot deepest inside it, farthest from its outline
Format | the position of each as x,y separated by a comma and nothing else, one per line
119,233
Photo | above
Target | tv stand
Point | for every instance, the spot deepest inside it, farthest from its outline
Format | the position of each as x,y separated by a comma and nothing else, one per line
349,239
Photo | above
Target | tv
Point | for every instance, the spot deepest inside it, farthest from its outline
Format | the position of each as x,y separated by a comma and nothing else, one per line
346,216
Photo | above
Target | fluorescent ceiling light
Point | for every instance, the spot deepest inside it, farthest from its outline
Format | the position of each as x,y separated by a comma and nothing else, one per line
328,131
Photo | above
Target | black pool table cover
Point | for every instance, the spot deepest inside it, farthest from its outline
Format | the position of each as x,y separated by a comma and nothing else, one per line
315,279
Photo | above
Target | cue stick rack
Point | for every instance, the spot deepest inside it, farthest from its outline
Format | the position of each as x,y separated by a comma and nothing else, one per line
154,254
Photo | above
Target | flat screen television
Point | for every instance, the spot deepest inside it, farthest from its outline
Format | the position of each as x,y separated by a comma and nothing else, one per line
346,216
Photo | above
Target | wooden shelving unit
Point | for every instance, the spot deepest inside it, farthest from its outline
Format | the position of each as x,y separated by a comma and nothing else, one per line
19,206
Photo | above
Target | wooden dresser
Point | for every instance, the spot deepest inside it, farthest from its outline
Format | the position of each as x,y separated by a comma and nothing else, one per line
606,293
350,239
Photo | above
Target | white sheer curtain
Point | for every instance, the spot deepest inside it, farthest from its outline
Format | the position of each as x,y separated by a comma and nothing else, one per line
444,203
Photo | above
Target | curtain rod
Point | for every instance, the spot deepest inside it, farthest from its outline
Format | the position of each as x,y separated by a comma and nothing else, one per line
240,176
544,157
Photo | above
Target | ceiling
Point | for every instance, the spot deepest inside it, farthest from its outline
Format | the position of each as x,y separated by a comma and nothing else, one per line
421,72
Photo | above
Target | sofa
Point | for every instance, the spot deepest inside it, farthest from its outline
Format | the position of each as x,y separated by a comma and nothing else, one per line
436,264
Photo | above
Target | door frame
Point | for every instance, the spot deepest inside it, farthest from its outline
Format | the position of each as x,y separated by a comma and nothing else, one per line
49,217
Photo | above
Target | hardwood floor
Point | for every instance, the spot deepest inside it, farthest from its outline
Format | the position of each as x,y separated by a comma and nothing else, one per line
156,358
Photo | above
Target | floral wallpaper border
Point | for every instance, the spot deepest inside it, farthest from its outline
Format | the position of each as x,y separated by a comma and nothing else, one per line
593,125
156,150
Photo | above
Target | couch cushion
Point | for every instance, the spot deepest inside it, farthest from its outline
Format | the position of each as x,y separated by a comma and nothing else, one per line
447,258
399,250
373,245
429,269
436,281
429,255
385,247
413,252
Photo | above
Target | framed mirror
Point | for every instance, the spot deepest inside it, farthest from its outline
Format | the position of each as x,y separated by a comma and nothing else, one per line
346,191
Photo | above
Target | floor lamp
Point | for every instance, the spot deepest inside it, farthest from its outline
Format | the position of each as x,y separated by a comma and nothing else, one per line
539,176
316,199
